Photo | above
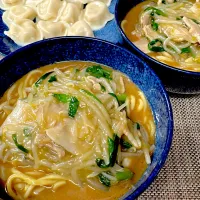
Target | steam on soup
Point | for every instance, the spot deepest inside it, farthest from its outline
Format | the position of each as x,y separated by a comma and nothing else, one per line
167,30
74,130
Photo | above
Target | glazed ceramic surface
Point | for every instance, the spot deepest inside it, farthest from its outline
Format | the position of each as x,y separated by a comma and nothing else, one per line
50,51
175,80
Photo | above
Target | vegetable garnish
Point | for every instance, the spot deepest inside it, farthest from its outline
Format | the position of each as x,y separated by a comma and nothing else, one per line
152,47
186,50
154,25
121,98
112,149
73,103
138,126
125,144
90,94
19,146
155,10
52,79
43,77
98,72
27,132
124,175
104,180
73,106
64,98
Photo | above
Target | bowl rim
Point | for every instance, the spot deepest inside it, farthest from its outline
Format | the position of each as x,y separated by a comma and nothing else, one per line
144,54
170,126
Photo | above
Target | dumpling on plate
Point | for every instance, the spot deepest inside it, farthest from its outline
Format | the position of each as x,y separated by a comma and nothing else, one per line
48,9
80,28
6,4
69,13
96,14
23,32
52,29
18,12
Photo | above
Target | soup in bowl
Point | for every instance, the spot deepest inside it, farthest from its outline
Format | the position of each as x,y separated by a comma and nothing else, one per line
165,33
79,128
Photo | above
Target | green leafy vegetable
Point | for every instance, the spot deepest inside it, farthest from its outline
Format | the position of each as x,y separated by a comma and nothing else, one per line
103,89
121,98
27,132
90,94
73,106
155,10
101,163
112,149
19,146
152,46
125,175
52,79
64,98
125,144
77,70
43,77
186,50
98,72
104,180
154,25
195,21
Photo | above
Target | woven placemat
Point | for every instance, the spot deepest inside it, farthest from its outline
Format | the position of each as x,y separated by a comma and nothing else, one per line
180,177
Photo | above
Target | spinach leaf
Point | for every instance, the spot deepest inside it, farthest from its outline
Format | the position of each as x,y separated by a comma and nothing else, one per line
125,144
124,175
186,50
101,163
52,79
112,149
121,98
155,10
19,146
98,72
152,46
154,25
104,180
73,106
43,77
195,21
64,98
90,94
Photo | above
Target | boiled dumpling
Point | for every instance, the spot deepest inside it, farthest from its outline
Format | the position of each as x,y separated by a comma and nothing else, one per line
53,29
77,2
48,9
23,32
7,4
96,14
18,12
107,2
33,3
80,28
70,13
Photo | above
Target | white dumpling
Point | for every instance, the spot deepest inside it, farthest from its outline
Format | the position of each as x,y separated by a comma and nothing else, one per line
107,2
77,2
80,28
48,9
23,32
96,14
52,29
70,13
7,4
33,3
18,12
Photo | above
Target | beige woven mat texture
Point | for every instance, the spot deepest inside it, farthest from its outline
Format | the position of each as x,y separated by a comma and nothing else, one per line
180,177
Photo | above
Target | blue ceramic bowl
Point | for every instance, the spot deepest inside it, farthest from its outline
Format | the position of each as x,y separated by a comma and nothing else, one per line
175,80
45,52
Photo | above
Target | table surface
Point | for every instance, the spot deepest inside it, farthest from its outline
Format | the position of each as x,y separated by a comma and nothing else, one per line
180,177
